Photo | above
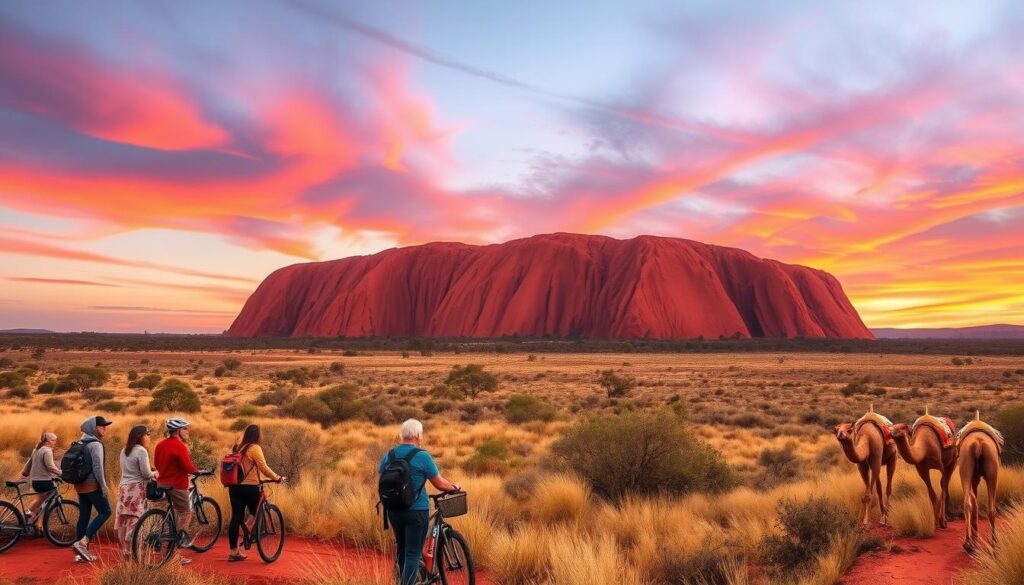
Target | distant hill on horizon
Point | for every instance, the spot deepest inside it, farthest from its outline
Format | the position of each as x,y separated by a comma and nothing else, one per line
555,285
24,331
998,331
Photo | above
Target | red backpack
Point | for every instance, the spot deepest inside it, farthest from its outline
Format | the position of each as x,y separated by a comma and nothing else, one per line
232,468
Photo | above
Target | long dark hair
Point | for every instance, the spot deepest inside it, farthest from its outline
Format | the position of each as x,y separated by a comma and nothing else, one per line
250,436
135,438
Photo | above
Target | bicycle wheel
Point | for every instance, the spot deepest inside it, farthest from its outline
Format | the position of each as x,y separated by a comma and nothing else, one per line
454,562
60,522
12,525
206,525
154,538
270,533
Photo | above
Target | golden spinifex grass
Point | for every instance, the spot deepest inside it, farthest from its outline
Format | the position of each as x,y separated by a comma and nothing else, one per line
531,521
1005,564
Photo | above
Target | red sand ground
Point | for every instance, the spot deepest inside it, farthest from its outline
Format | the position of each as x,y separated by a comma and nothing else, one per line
923,561
36,561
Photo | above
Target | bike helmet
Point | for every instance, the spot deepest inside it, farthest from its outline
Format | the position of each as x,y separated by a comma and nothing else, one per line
176,424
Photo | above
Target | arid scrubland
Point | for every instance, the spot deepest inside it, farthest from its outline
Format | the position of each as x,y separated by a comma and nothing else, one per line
779,508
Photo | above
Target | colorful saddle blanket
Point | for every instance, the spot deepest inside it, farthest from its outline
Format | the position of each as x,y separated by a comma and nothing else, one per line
883,424
943,426
981,426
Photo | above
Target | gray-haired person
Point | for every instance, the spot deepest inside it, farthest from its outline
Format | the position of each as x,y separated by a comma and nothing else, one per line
410,525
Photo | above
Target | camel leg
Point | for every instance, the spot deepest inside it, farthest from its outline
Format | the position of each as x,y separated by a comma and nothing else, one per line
966,477
944,496
865,500
932,497
992,486
890,471
881,500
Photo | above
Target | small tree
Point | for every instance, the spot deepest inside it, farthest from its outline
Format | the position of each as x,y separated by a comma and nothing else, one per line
83,377
175,396
525,408
472,380
615,385
149,381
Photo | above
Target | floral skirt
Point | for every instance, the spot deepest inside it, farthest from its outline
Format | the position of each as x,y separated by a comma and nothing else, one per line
131,503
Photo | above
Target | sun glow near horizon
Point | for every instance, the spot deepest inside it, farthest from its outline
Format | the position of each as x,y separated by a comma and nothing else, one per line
152,173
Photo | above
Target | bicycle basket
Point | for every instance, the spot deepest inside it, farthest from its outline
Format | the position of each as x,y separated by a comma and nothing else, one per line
452,505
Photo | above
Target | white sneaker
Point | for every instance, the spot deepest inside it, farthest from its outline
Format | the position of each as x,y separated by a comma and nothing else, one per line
83,551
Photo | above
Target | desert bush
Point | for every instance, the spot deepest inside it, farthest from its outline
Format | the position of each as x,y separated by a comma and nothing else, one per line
292,449
149,381
491,456
615,385
328,406
220,371
381,415
778,466
18,392
856,387
641,453
212,390
231,364
111,406
298,376
471,380
436,406
56,404
276,396
1010,422
86,377
312,409
132,375
337,368
806,531
175,396
750,420
11,379
522,408
97,394
350,353
53,386
6,362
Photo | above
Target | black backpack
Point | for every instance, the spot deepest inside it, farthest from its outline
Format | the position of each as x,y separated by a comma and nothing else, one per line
76,464
395,486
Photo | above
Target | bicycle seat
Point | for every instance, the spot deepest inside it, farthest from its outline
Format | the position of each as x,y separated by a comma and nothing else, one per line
14,484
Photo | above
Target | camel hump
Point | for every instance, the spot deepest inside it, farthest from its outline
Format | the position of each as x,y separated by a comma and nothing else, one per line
944,427
979,426
884,424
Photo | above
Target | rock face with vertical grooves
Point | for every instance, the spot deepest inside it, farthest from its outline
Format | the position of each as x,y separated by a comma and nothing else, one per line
559,285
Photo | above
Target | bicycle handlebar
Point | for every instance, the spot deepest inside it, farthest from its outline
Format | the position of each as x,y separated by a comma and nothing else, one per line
263,481
202,473
443,494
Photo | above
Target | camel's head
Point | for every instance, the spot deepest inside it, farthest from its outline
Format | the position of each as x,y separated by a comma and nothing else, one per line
844,432
900,430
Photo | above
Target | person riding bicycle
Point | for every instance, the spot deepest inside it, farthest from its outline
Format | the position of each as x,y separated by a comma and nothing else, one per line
247,493
41,471
173,462
92,493
410,525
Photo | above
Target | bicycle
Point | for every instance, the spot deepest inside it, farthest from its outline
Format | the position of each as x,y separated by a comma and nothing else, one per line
60,517
446,558
156,534
268,527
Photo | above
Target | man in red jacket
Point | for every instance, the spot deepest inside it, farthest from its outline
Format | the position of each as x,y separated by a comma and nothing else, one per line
174,464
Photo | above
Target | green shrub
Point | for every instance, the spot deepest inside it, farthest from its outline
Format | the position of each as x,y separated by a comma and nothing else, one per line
149,381
300,376
239,424
276,396
615,385
491,457
132,375
1010,422
381,415
212,390
778,466
856,387
175,396
337,368
18,392
329,406
11,379
312,409
220,371
350,353
111,406
231,364
436,406
472,380
97,394
641,453
807,530
86,377
522,408
56,404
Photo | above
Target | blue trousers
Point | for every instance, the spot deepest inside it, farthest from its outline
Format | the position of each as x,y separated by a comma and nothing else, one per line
410,528
86,504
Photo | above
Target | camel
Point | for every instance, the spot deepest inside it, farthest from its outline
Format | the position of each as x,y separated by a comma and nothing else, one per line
922,447
979,446
866,445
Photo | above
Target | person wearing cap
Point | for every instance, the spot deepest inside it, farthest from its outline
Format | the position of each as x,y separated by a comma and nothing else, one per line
41,471
92,493
174,465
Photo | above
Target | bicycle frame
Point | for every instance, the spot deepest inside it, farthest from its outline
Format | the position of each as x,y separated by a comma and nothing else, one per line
54,498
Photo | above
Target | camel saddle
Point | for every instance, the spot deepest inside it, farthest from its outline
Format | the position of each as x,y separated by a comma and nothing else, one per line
945,428
979,426
884,425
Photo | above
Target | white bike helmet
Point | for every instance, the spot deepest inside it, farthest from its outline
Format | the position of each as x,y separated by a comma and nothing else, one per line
176,424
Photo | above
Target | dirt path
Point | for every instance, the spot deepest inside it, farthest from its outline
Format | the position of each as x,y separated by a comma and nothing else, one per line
922,561
35,561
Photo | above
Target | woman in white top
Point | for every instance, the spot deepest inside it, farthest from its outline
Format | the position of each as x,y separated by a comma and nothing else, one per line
41,471
131,497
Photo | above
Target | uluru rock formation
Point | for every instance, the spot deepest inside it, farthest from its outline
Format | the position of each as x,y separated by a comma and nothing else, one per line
559,285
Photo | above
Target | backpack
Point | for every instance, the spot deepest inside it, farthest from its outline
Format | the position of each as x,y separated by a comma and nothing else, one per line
232,468
395,486
76,464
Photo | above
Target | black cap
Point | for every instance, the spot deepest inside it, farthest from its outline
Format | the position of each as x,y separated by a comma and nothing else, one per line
102,422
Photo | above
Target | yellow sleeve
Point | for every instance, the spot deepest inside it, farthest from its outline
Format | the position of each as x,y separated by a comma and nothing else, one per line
260,461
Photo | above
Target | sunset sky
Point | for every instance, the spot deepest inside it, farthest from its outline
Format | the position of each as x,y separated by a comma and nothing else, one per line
158,159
